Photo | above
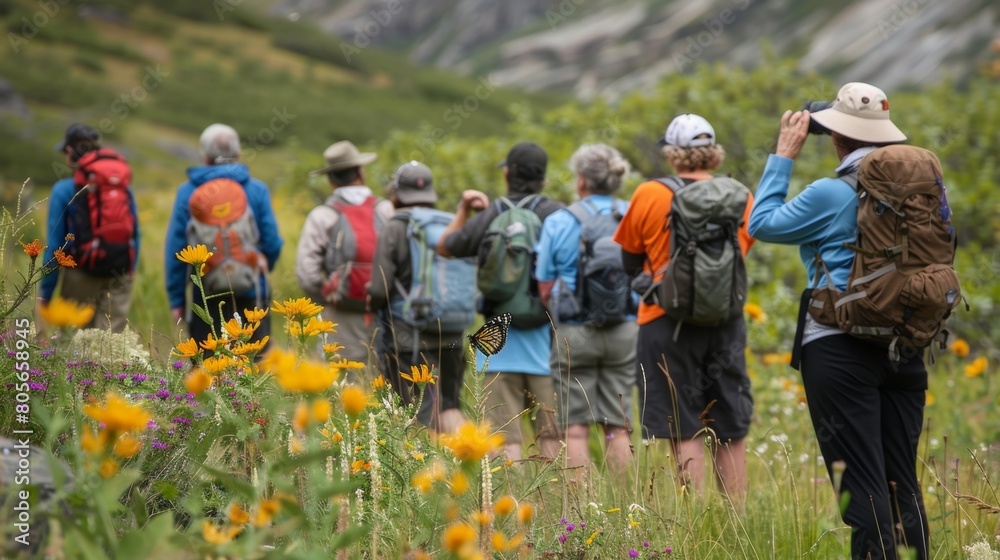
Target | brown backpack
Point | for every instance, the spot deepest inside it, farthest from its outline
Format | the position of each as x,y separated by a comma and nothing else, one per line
902,285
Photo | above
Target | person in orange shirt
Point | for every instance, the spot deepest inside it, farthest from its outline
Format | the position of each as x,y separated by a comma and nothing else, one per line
691,367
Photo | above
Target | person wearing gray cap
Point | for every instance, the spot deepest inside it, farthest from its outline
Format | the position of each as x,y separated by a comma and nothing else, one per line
425,301
867,410
337,247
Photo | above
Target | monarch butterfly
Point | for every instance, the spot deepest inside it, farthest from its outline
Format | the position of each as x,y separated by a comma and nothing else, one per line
491,337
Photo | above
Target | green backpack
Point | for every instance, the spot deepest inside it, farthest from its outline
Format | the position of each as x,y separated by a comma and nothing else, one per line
507,263
705,281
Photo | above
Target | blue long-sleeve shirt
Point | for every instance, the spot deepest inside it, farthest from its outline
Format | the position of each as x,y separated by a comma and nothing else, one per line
259,198
57,226
819,220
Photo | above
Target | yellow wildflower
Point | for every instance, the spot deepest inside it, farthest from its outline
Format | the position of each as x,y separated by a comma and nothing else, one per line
482,517
265,512
320,411
960,348
214,534
237,515
313,327
108,468
360,465
301,418
212,344
236,329
976,368
590,539
354,400
127,446
422,481
187,349
64,260
755,312
303,377
66,313
503,544
92,442
32,249
297,309
419,375
244,348
331,348
774,359
457,535
347,364
215,365
194,256
525,513
255,315
198,381
379,383
118,415
472,442
504,506
459,483
929,399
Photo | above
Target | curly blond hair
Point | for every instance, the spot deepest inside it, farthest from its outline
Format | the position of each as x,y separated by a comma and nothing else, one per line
699,158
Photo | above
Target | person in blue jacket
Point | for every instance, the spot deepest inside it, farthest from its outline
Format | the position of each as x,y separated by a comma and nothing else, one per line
220,146
867,411
110,295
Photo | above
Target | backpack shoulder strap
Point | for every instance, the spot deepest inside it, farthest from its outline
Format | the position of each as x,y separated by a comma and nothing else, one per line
851,178
673,182
579,211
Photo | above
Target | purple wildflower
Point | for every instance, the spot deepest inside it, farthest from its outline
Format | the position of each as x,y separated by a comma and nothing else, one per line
178,364
37,386
48,352
152,425
563,521
162,394
163,382
72,364
562,538
122,376
645,544
181,420
138,378
633,553
570,527
11,353
157,444
86,382
69,377
668,550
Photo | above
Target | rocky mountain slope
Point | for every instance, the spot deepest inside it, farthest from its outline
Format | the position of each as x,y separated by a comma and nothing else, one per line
603,47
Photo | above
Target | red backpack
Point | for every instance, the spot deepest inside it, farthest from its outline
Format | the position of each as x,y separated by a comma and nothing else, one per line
222,220
350,254
101,215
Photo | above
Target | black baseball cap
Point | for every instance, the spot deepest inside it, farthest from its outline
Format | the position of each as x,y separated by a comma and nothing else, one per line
81,138
526,160
414,184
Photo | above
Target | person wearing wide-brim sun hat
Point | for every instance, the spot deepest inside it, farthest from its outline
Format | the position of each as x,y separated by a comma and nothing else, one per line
337,246
867,410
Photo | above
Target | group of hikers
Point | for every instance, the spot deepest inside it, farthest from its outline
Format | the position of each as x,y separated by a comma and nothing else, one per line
590,308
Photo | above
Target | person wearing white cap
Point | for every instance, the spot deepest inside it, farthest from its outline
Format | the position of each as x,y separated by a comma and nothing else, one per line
704,361
867,410
333,263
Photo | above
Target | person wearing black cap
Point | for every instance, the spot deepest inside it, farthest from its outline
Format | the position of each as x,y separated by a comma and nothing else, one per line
518,377
400,345
110,293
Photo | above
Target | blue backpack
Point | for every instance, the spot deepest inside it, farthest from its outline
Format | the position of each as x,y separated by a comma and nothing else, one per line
442,292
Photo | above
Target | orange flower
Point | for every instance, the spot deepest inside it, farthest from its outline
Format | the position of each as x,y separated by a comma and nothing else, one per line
755,312
960,348
212,344
976,368
32,249
93,443
379,383
457,536
127,446
64,260
187,349
198,381
419,375
237,515
118,415
472,442
256,314
504,506
459,483
525,513
354,400
66,313
108,468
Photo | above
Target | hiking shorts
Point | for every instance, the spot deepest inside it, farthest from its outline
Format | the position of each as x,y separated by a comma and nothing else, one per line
703,365
510,395
593,370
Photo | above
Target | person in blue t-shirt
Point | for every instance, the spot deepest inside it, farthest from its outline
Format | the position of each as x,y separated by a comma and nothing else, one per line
517,378
593,357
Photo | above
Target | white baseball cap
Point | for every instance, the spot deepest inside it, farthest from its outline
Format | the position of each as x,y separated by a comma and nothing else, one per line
861,112
689,131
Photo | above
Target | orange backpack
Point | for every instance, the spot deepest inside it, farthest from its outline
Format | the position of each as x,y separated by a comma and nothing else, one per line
222,220
903,284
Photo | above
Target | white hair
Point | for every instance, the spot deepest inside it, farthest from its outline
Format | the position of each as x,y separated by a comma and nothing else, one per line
601,166
220,144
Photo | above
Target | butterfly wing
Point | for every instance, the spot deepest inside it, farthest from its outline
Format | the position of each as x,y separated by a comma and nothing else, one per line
491,337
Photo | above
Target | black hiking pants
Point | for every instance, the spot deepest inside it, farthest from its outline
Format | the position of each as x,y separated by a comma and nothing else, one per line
868,413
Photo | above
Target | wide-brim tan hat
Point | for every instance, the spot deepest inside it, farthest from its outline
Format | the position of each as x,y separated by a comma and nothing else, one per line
343,155
861,112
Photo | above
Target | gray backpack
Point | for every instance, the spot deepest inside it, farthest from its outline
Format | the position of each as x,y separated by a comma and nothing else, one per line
602,296
705,281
